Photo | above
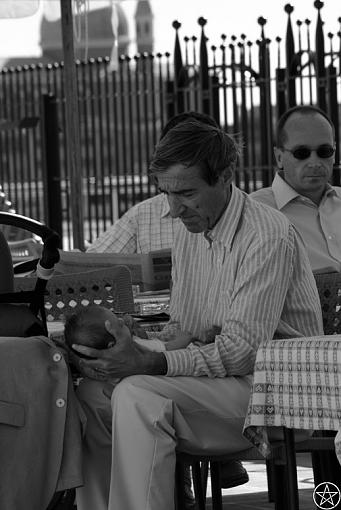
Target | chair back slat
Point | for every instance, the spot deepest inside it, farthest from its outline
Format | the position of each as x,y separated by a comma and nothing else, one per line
329,289
110,287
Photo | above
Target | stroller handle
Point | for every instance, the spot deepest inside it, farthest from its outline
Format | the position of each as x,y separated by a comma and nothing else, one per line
51,239
34,226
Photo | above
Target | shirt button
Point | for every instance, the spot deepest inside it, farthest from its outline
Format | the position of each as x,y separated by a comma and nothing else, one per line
60,402
57,357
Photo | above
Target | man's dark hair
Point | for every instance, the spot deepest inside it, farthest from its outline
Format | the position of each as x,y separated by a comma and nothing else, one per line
86,327
281,134
193,142
181,117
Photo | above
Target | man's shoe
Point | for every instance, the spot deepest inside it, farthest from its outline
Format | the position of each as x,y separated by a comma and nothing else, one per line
232,474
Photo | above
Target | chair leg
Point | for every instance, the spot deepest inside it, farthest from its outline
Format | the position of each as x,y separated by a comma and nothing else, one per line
199,487
291,468
270,474
204,475
217,501
179,486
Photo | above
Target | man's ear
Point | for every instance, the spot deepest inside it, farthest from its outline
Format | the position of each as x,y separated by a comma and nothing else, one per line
227,176
279,157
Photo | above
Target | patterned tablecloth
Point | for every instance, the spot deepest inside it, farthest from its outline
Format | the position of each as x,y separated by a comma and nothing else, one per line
297,384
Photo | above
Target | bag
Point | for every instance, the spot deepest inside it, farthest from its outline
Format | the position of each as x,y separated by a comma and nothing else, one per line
19,320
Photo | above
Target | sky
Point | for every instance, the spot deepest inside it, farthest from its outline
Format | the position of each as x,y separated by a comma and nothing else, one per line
20,37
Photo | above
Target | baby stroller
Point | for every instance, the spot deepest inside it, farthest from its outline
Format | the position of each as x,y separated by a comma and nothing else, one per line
22,314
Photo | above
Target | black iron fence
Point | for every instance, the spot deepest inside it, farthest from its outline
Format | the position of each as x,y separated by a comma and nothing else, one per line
245,85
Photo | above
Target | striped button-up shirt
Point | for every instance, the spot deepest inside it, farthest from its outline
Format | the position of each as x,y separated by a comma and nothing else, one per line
146,227
319,225
252,279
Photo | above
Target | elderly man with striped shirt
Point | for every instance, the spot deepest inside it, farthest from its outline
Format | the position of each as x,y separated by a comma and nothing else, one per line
239,270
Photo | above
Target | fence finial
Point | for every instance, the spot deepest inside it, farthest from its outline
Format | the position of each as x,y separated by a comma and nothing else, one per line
262,22
202,21
288,8
176,25
318,4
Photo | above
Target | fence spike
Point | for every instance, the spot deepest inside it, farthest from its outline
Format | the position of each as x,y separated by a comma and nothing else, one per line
320,54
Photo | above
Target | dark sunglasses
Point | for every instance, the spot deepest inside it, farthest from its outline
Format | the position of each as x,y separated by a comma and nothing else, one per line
303,152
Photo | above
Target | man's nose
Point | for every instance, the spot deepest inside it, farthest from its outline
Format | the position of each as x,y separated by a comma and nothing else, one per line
314,159
175,206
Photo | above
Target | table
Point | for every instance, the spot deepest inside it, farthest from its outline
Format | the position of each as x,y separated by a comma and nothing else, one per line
297,384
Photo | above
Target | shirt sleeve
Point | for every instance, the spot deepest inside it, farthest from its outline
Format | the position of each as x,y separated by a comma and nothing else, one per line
119,238
254,311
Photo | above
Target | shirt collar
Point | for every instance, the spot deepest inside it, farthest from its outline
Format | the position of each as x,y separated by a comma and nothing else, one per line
284,193
224,231
165,207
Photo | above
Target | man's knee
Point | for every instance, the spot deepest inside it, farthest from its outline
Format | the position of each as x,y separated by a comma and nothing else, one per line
138,393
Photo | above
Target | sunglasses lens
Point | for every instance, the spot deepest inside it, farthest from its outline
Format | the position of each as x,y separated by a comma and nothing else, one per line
301,153
325,151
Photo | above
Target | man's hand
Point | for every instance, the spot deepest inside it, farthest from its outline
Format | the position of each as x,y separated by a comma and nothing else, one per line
121,360
180,341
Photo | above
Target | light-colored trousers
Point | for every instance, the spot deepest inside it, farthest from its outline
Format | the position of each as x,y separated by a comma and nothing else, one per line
129,446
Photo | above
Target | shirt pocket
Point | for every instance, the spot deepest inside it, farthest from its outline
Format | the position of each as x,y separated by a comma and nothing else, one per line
12,414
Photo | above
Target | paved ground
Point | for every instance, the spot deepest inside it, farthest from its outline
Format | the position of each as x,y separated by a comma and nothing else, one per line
253,495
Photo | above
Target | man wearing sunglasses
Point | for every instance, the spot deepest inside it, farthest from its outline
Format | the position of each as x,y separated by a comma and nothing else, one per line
305,154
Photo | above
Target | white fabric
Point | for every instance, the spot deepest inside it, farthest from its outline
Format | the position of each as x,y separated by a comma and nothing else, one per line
18,8
318,225
151,416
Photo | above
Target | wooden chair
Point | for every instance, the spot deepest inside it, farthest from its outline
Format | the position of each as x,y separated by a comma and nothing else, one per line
282,465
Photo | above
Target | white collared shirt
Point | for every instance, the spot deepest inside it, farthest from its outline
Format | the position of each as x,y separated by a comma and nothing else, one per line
318,225
146,227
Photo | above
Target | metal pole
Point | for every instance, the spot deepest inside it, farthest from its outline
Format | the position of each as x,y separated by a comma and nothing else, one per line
72,125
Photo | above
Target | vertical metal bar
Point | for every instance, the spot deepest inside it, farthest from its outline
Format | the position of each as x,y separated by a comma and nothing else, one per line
139,125
153,111
234,97
51,162
310,78
290,57
178,72
65,164
203,69
123,132
196,77
252,119
146,114
17,141
5,142
320,64
34,90
109,142
72,125
299,24
265,106
224,79
214,89
93,127
244,116
130,130
84,98
161,90
101,144
116,140
333,112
